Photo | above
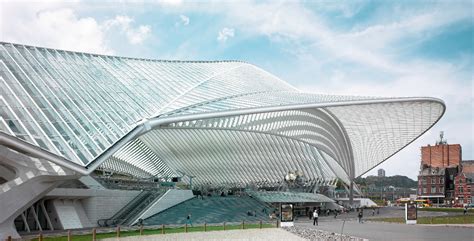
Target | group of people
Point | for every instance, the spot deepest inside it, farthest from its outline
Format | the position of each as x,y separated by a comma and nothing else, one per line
316,213
360,214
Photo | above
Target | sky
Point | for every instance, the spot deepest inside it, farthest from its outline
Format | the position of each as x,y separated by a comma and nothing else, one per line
365,48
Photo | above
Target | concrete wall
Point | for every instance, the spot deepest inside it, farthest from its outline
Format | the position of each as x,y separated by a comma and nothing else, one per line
106,203
70,214
90,205
97,204
67,214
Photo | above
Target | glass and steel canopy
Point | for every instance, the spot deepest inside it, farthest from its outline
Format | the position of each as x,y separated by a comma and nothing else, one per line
221,122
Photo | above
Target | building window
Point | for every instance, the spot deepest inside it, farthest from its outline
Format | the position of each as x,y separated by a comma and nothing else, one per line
460,190
433,189
441,180
433,180
424,190
424,180
441,189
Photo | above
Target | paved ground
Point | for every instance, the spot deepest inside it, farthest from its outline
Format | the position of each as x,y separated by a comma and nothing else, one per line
391,231
269,234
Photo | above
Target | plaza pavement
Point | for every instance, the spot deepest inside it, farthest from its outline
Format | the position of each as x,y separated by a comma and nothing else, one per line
267,234
392,231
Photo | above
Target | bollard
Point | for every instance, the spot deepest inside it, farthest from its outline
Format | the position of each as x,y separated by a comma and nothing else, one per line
69,236
118,231
243,224
94,234
186,228
162,229
224,225
260,224
141,229
205,227
40,237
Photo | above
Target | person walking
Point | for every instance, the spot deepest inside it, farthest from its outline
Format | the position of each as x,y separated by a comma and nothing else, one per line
465,210
359,215
315,218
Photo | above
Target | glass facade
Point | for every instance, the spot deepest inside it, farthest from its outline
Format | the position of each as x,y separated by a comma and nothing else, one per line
78,105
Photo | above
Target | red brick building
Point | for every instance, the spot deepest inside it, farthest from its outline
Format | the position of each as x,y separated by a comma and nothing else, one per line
440,165
431,184
441,155
464,184
464,187
468,166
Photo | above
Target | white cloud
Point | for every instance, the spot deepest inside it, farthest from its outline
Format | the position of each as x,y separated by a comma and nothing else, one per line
225,34
58,28
134,35
56,25
184,19
172,3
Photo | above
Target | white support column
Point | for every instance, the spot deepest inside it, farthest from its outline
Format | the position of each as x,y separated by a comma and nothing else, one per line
35,216
23,217
43,208
34,179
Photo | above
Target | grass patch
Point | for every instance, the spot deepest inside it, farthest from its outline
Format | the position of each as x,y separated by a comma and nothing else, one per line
88,237
458,210
458,219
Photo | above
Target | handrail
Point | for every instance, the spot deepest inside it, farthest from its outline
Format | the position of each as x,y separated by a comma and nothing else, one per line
127,207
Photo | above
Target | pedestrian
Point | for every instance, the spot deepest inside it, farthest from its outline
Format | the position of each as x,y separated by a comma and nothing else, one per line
335,213
373,211
465,210
378,211
315,218
359,215
188,220
327,212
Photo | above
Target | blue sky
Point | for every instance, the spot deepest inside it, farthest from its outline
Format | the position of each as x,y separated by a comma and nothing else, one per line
378,48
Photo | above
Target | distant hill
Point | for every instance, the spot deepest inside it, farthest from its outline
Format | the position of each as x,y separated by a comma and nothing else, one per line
396,181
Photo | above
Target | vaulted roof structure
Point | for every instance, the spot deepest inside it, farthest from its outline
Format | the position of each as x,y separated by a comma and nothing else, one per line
220,122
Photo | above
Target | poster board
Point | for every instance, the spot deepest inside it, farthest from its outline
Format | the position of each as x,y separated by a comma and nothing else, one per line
287,216
411,213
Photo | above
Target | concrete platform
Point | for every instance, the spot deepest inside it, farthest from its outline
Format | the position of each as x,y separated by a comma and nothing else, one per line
269,234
